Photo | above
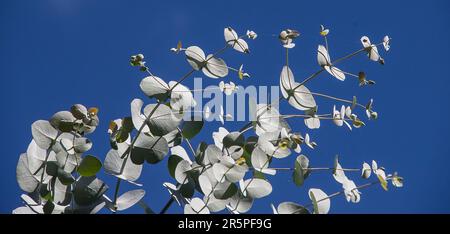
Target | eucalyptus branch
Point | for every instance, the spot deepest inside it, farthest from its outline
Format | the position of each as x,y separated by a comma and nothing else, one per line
116,194
314,169
339,193
309,78
226,161
167,205
130,147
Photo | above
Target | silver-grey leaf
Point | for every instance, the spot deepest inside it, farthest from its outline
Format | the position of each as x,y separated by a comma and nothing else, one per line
129,199
27,181
43,133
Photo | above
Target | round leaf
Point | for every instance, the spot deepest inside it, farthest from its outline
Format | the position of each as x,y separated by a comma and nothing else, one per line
129,199
61,193
291,208
89,166
172,164
205,184
162,121
192,128
257,188
225,190
298,96
180,171
195,57
181,98
236,173
259,159
218,137
151,149
123,168
320,201
220,170
212,154
240,204
43,133
196,206
215,67
82,144
63,121
137,117
214,204
154,86
27,182
233,139
79,111
267,119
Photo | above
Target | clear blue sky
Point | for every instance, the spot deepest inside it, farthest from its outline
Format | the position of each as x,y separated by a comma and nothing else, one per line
56,53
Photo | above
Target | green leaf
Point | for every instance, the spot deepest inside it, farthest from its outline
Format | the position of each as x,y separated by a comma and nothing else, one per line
248,149
89,166
258,175
121,130
127,124
192,128
314,202
320,201
383,182
121,136
301,170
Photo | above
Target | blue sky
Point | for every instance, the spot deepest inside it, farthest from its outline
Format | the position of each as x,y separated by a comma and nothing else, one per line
56,53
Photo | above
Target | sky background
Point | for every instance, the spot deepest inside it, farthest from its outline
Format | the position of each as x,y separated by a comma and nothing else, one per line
55,53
